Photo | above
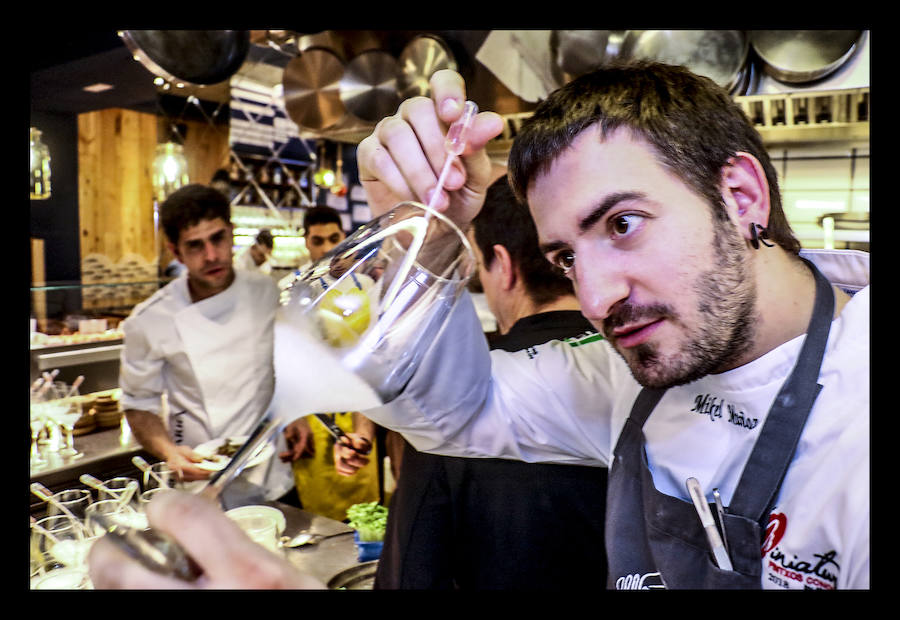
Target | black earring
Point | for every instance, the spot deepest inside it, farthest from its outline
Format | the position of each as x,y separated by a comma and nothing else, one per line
759,234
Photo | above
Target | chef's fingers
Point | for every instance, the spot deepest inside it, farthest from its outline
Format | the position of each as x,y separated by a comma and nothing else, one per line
448,91
110,568
228,557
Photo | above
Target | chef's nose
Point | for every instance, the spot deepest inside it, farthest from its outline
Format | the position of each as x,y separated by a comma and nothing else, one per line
599,285
210,251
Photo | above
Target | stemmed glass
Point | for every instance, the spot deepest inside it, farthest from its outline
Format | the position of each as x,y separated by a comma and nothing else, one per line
64,407
365,314
38,422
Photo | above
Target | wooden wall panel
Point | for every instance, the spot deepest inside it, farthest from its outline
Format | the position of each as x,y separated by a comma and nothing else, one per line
206,149
115,193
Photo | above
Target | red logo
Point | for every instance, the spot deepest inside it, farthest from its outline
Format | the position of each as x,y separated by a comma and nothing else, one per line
774,531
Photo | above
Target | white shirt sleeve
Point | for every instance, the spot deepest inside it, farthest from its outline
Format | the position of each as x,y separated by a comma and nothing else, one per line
550,403
140,369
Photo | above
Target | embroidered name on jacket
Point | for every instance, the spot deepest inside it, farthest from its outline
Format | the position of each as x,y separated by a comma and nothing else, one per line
716,408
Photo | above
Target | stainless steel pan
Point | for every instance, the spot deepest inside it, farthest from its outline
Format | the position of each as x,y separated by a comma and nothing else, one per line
717,54
798,56
418,61
196,57
368,88
312,95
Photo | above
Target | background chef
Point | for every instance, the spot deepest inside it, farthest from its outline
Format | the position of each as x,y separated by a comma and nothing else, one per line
205,339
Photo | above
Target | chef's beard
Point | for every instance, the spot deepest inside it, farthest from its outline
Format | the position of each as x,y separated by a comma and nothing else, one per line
725,325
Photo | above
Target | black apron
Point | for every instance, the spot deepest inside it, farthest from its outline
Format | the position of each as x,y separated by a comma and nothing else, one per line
654,540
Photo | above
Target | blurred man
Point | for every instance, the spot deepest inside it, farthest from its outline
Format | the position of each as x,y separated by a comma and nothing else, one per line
323,229
257,256
495,524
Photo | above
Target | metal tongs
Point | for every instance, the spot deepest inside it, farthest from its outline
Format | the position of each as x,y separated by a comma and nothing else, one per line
160,552
339,435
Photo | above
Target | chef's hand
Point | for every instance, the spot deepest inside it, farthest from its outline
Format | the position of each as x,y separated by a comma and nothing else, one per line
299,438
402,158
181,460
353,455
228,557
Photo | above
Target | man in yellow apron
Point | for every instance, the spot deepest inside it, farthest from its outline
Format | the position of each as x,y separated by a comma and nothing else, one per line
320,487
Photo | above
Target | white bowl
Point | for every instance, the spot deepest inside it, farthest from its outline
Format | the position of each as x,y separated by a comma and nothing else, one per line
249,511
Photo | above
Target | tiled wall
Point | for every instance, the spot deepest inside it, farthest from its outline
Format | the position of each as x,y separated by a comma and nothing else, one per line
819,179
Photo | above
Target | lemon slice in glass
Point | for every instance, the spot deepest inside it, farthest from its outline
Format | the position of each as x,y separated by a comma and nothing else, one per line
344,316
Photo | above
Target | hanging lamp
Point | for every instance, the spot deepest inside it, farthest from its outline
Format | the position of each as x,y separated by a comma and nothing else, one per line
170,170
40,167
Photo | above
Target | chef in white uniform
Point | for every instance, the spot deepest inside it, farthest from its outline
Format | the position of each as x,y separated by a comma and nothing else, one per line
205,340
657,198
257,256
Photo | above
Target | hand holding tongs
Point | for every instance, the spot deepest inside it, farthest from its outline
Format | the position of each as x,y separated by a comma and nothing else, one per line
160,552
340,436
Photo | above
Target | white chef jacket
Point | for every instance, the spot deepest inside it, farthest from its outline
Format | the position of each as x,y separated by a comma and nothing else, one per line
213,357
244,260
566,402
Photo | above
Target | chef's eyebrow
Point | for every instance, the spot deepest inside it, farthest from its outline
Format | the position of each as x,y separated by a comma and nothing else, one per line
608,203
588,222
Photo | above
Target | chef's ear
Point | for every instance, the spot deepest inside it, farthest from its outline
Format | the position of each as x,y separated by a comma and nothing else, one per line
503,262
174,250
745,191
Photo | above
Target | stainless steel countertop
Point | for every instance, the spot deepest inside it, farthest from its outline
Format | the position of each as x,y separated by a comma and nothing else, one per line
96,447
323,560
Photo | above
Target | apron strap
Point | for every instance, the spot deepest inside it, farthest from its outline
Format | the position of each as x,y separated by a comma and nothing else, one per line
643,406
764,472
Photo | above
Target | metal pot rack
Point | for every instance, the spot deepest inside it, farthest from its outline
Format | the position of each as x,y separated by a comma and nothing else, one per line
781,118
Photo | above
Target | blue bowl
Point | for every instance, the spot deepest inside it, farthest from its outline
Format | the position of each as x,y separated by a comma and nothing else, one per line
366,551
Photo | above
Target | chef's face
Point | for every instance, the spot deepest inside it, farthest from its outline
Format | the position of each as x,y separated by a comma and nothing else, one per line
206,250
668,287
321,238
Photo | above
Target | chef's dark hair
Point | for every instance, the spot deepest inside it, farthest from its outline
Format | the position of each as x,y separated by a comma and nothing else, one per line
190,204
321,215
692,123
265,238
504,220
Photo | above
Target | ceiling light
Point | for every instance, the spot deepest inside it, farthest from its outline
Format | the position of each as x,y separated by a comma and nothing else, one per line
99,87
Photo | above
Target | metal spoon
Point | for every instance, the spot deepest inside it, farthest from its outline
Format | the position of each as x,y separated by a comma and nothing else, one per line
144,466
122,496
308,539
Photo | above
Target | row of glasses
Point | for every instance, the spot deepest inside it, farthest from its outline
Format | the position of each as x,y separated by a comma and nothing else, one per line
61,541
55,406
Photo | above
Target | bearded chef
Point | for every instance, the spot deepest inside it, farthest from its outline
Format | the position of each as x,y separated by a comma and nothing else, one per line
205,340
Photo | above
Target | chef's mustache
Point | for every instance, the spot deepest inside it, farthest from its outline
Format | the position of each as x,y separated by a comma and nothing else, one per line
625,313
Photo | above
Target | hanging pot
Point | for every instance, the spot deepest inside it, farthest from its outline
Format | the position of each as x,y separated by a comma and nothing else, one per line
576,52
798,56
418,61
196,57
312,96
368,88
717,54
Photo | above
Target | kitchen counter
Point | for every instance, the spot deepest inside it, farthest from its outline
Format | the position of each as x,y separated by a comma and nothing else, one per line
109,452
106,454
325,559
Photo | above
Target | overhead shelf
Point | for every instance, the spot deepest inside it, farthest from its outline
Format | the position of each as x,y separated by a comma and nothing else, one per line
781,118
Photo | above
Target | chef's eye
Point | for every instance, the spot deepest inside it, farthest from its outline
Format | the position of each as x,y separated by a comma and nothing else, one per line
564,260
623,224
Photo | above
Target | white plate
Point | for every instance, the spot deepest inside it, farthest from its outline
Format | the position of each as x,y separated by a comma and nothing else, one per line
250,511
208,450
